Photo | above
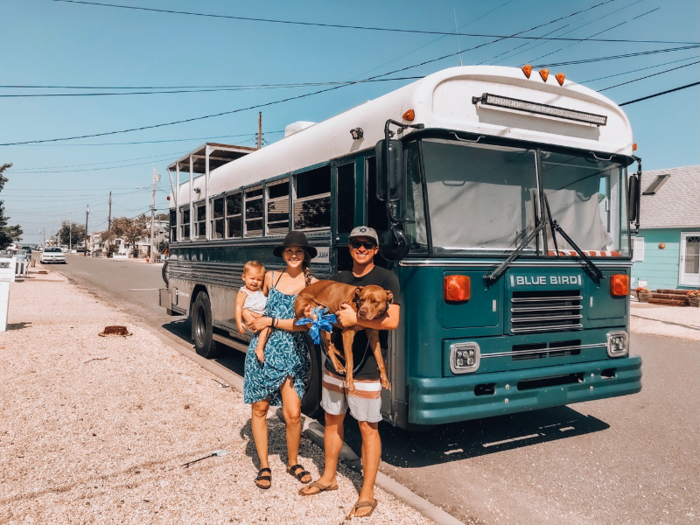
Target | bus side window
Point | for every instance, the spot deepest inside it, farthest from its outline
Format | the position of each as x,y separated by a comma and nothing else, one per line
254,211
200,220
234,215
277,207
173,226
217,222
312,199
185,224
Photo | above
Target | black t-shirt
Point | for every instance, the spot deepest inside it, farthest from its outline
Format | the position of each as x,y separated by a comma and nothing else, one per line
363,358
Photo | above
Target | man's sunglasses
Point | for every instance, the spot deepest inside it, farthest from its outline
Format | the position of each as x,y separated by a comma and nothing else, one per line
355,245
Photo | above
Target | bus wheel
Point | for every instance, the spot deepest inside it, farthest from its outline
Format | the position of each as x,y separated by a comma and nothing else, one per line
311,404
164,273
202,328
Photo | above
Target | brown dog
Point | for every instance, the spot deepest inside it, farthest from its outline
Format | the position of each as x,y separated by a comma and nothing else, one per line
370,302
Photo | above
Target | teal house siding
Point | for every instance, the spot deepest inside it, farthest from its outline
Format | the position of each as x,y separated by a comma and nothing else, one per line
660,267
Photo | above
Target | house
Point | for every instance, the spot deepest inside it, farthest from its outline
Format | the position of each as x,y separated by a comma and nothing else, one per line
667,248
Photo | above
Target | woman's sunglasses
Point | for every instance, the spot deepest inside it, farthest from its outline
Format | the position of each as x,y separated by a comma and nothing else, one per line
355,245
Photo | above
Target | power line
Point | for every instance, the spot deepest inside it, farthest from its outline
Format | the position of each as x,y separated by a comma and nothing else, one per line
636,70
130,143
169,91
536,45
658,94
364,28
649,76
11,170
615,57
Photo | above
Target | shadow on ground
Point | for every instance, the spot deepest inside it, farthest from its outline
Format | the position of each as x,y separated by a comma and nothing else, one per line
469,439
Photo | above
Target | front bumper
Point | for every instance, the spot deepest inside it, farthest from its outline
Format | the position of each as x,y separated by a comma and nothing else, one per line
434,401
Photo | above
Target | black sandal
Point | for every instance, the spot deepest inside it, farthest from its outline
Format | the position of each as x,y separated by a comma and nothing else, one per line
295,471
264,474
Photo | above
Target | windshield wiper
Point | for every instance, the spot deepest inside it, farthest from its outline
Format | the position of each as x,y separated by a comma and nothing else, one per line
590,268
492,277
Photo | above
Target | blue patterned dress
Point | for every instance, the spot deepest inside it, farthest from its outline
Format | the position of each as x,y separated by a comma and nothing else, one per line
285,355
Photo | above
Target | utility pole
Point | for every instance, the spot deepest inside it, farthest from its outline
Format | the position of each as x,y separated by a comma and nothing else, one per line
87,232
259,129
70,233
109,217
156,178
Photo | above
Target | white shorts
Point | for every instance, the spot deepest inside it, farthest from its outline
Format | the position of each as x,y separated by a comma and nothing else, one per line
365,402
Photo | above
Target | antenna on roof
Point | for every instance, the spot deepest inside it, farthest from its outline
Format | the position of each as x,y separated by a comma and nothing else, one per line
457,33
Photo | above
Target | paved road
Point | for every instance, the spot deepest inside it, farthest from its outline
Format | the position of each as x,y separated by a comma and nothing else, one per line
631,460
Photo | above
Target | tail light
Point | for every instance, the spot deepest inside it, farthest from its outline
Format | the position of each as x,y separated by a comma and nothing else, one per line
619,285
457,288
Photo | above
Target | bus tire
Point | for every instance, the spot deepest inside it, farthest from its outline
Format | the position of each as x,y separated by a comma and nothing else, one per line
164,273
311,403
202,326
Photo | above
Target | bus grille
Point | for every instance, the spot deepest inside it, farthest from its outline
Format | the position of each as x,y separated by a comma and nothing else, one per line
533,312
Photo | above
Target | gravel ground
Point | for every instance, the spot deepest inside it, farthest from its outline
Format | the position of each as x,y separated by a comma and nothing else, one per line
96,429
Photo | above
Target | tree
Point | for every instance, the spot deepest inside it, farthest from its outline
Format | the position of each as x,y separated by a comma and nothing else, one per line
132,230
71,233
8,234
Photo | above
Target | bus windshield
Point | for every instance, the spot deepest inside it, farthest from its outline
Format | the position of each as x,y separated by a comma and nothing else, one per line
484,198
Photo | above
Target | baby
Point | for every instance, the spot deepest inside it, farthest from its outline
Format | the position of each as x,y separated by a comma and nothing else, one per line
250,303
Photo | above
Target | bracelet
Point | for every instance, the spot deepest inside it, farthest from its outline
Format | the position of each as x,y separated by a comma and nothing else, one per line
273,323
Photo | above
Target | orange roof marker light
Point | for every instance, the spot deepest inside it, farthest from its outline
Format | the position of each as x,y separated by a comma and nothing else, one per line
544,73
634,147
410,115
527,69
560,78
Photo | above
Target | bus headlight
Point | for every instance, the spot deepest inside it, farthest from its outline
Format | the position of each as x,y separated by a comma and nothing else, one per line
618,344
464,358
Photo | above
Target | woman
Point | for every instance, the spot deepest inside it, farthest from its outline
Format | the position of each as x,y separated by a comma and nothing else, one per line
280,377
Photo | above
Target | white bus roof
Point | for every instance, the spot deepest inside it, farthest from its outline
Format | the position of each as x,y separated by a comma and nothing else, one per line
442,100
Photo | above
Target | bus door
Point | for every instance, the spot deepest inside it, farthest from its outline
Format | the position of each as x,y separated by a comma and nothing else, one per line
375,217
347,212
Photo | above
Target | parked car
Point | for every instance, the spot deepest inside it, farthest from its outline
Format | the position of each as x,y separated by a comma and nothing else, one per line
27,250
53,254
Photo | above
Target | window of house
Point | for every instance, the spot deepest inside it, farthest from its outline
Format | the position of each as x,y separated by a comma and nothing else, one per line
254,211
312,199
200,221
234,215
278,207
185,224
638,249
217,218
346,197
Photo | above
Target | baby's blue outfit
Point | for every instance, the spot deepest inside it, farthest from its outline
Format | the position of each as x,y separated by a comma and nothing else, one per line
285,355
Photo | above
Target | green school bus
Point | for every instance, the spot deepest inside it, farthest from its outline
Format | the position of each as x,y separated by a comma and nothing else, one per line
504,205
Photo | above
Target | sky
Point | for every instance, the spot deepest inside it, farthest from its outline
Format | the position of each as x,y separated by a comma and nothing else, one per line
58,47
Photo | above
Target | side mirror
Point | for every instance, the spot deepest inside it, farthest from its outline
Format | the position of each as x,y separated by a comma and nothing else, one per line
633,199
393,245
390,170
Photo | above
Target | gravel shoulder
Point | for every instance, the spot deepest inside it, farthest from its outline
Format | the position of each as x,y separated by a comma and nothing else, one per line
97,429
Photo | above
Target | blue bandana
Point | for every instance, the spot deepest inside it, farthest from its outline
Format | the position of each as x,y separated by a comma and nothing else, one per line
324,321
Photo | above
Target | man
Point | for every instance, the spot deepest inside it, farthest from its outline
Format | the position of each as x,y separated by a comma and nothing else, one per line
365,401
